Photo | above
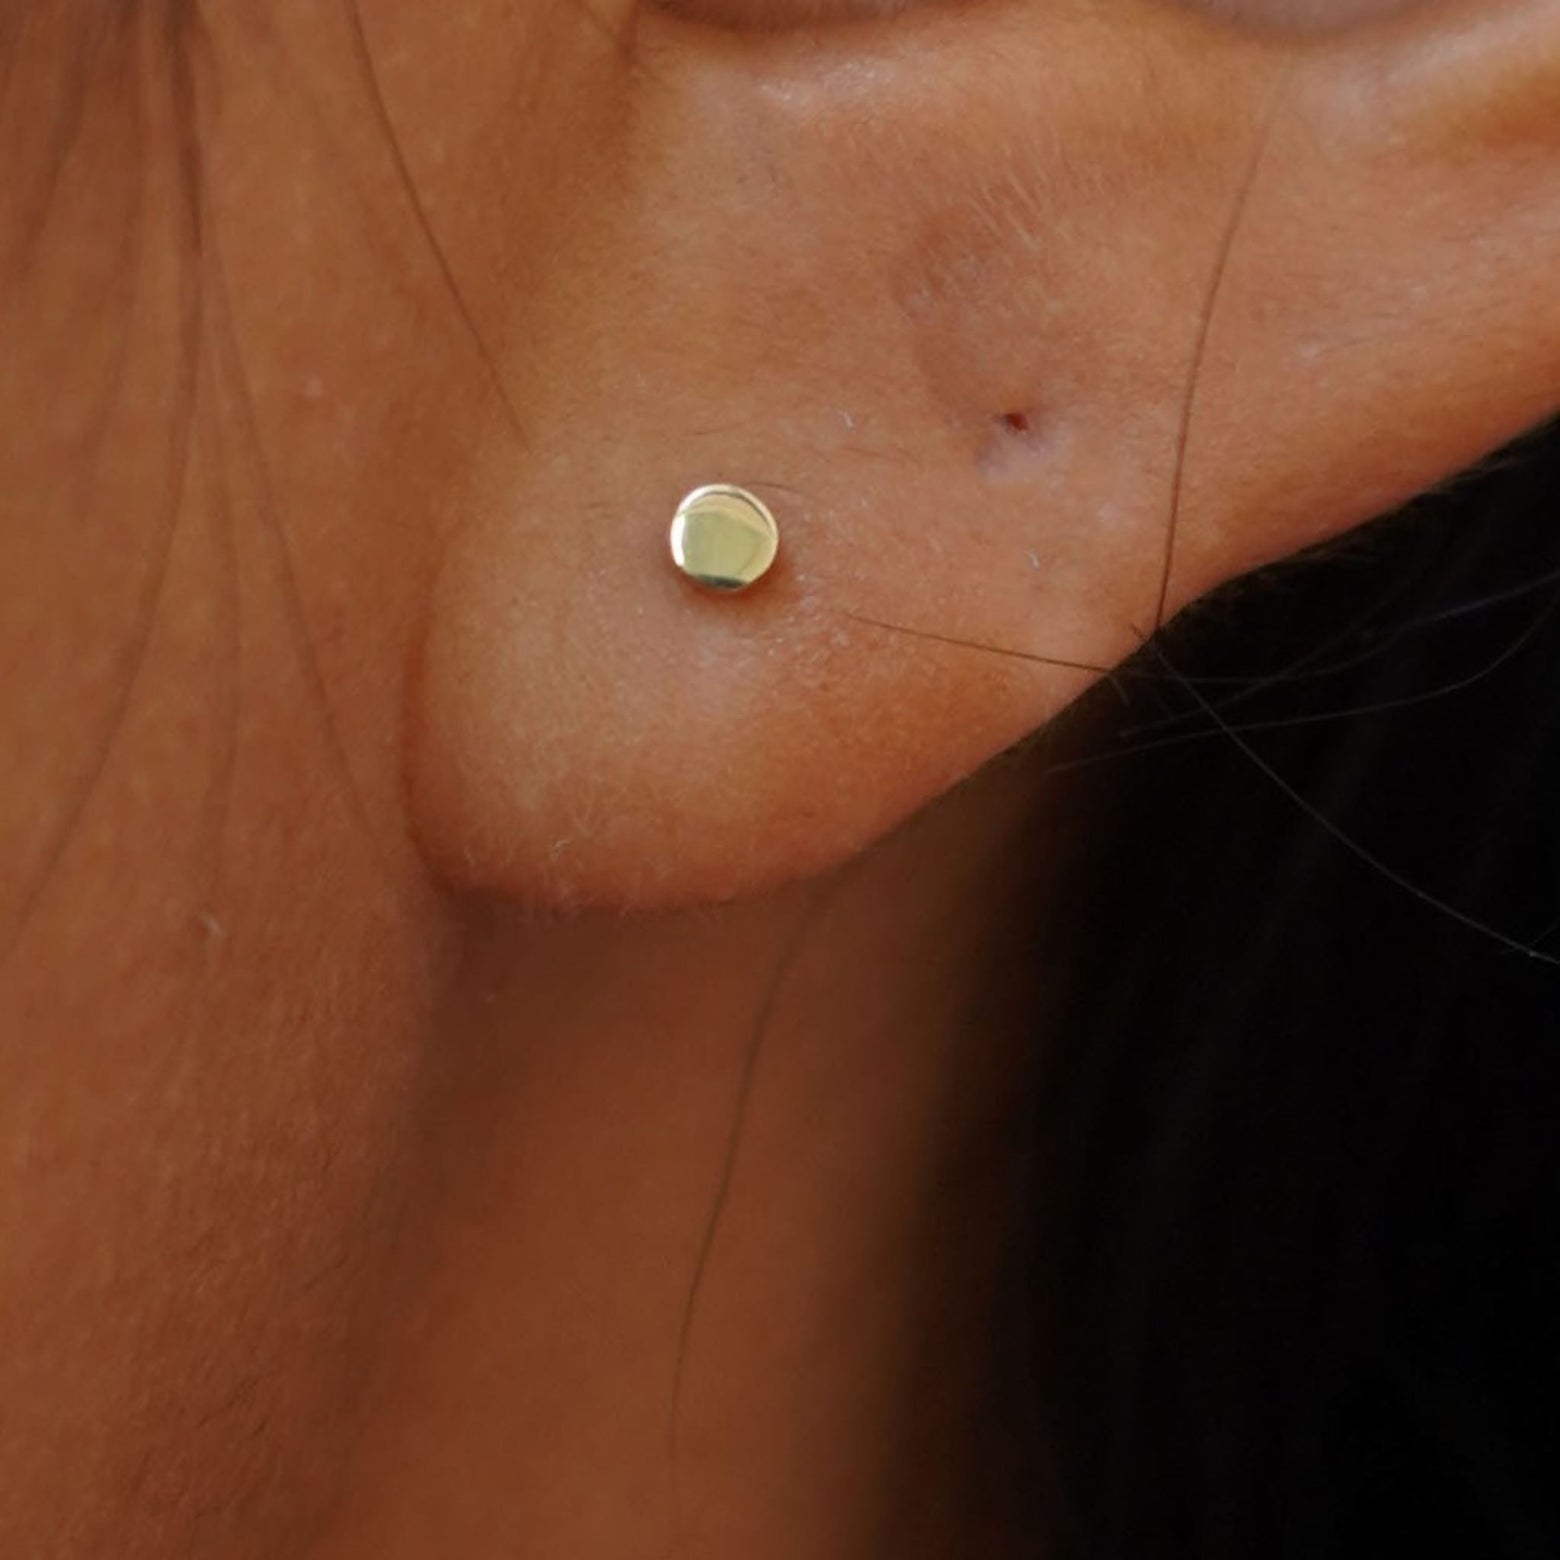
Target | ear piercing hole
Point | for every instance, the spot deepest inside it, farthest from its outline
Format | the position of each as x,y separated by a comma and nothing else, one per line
1012,441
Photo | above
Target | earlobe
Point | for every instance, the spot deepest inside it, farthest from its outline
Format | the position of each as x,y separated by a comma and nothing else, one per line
967,297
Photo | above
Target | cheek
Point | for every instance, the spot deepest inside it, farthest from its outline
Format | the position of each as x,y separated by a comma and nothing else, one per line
207,1045
209,989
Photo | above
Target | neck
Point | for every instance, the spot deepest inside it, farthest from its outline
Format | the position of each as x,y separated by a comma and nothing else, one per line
718,1200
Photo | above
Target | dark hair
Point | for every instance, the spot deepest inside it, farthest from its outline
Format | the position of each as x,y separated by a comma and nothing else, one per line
1295,1200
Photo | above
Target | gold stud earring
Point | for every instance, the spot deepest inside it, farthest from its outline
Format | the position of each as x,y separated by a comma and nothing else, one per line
723,537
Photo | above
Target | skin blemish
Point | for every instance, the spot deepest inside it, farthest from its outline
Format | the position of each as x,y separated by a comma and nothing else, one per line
1012,441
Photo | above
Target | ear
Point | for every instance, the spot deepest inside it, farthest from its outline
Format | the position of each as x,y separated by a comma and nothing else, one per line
976,299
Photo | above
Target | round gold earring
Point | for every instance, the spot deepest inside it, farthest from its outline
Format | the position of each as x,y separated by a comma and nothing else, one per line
724,538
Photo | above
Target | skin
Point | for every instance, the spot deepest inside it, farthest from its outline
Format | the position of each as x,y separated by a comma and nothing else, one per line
401,869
